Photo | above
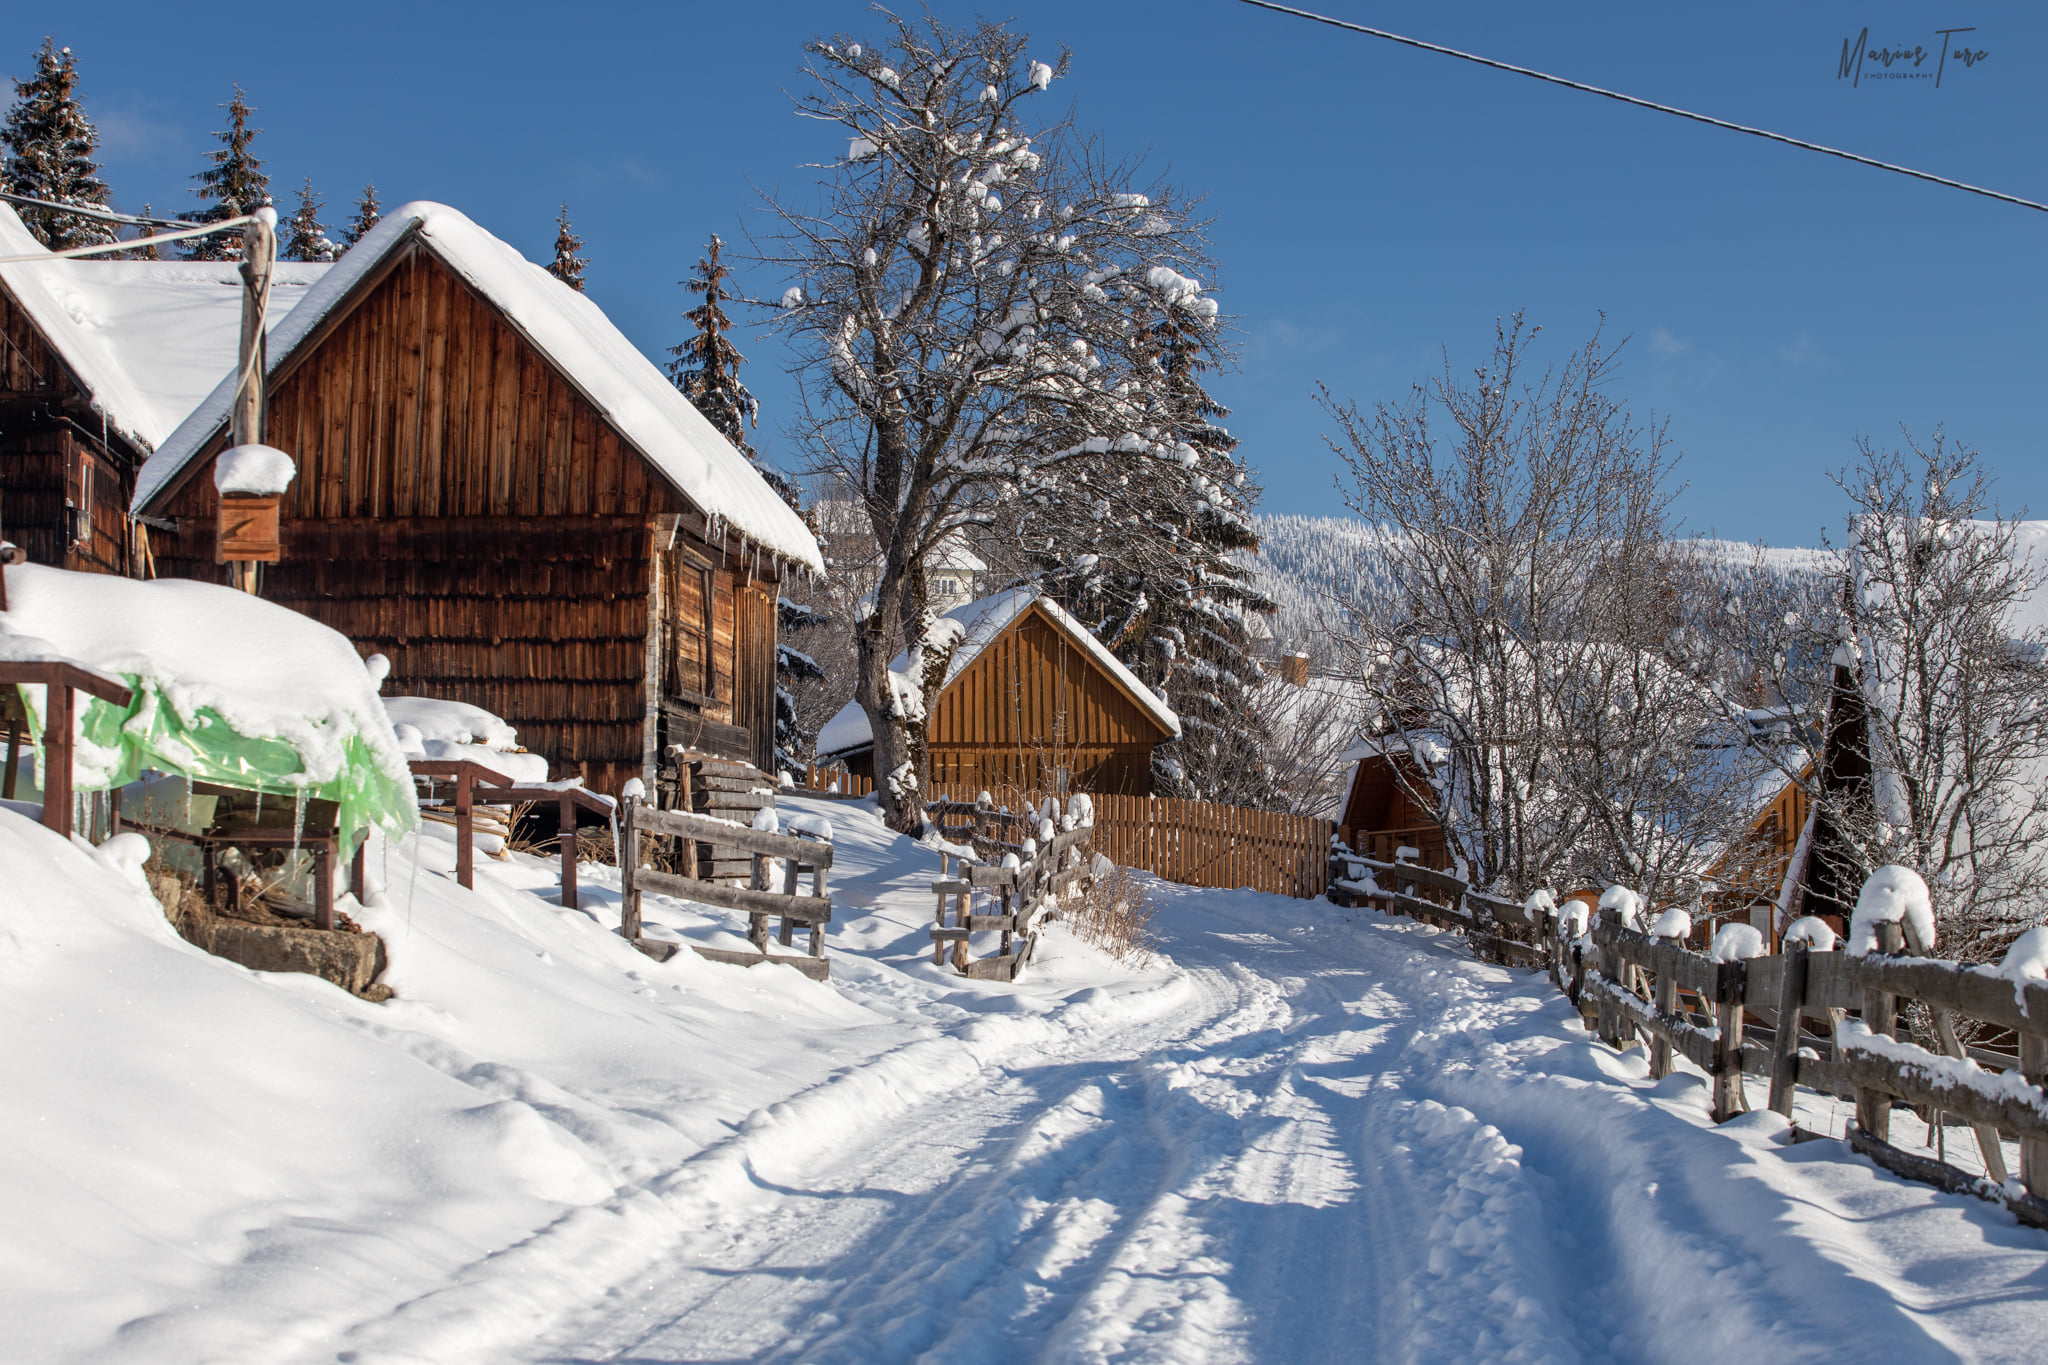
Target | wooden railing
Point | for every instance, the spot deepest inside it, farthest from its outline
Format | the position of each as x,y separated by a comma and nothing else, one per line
758,900
476,785
1015,902
1785,1019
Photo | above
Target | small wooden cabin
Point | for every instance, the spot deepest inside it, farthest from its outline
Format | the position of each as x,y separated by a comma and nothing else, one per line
501,495
1380,814
99,362
1031,701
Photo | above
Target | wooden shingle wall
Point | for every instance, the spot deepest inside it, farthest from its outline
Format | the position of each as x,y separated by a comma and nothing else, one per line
51,459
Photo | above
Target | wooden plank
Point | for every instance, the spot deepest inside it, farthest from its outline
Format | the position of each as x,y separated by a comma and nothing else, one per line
816,968
1839,980
994,968
2028,1209
1729,1099
1862,1071
815,852
1694,1044
2034,1150
659,949
1880,1015
1785,1045
809,909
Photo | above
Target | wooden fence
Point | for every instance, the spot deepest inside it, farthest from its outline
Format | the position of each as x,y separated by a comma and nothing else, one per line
758,901
832,782
1198,844
1014,902
1786,1019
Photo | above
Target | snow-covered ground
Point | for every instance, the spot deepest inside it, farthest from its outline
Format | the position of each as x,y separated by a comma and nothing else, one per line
1302,1134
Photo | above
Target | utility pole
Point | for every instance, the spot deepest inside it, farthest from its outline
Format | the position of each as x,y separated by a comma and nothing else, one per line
259,260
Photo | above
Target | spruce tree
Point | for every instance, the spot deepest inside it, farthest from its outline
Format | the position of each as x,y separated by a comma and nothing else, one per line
567,265
707,366
305,237
236,183
1178,609
50,145
368,211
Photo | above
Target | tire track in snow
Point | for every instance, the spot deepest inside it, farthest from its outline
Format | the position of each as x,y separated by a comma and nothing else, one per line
1352,1141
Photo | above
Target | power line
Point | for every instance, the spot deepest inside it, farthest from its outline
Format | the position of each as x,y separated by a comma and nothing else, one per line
98,214
104,248
1710,121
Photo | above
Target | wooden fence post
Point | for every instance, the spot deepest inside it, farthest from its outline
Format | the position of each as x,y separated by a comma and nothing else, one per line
1667,1006
1880,1015
1785,1047
565,838
2033,1151
686,800
1603,963
1731,986
629,866
57,756
465,840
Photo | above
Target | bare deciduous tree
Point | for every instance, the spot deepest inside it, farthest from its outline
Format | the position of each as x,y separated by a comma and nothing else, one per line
1526,686
1932,659
963,315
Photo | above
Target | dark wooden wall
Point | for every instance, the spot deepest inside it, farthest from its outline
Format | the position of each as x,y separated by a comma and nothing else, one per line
1033,702
1382,816
465,511
51,462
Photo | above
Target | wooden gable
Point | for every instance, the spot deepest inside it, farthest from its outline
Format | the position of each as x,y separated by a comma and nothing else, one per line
464,509
1032,703
421,399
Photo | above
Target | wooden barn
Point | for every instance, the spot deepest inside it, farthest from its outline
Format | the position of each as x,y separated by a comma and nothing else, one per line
1031,701
99,362
501,495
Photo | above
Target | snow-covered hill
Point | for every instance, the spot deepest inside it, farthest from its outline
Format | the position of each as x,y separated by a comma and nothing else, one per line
1315,568
1301,1134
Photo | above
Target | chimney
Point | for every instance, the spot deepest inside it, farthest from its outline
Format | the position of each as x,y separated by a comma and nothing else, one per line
1294,668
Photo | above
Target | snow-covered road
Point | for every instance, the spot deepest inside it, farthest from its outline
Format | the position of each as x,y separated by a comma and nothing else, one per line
1302,1134
1345,1141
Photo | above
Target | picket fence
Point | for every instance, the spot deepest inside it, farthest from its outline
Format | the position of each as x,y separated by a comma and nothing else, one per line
1195,843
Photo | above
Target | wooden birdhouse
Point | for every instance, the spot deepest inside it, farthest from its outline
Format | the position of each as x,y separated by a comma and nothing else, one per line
248,528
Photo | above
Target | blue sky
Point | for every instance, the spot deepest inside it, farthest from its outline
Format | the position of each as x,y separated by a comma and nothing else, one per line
1374,206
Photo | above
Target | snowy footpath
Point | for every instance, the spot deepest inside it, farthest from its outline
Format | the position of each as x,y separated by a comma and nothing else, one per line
1301,1134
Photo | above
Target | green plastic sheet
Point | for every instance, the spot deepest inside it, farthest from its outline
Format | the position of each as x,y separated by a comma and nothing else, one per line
118,742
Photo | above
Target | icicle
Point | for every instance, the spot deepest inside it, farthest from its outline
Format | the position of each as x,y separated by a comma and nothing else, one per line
298,820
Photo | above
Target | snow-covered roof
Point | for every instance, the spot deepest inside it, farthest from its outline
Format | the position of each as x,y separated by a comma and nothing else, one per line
564,326
147,339
953,553
980,623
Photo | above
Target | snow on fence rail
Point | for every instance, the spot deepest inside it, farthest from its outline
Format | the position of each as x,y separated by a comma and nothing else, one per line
1020,881
1196,843
797,854
1746,1017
